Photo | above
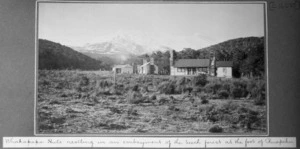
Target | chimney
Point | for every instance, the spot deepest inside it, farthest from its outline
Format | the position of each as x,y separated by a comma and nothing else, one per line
213,64
172,57
144,61
151,61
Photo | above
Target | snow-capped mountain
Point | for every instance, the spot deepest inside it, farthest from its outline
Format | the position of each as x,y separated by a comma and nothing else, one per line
120,44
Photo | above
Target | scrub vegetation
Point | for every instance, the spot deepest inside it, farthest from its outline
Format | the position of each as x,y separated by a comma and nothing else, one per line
88,102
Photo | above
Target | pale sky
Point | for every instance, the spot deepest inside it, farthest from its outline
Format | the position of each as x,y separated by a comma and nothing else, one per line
175,25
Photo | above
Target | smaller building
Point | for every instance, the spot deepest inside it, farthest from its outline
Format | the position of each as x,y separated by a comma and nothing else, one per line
123,69
224,69
147,67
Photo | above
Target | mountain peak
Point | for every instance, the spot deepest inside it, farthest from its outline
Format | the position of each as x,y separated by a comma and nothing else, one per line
121,44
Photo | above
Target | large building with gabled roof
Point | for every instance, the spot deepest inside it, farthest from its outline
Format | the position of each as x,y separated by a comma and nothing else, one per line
186,67
190,66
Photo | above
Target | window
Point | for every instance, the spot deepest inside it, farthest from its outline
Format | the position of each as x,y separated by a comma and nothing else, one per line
202,69
224,70
180,70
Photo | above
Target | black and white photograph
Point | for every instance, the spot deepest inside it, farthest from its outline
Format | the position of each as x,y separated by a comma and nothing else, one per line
151,68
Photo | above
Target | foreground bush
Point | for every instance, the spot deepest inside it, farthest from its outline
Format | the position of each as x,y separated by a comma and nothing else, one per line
223,94
248,117
260,100
129,106
216,129
213,87
200,80
167,87
188,89
234,114
257,90
134,97
84,81
239,89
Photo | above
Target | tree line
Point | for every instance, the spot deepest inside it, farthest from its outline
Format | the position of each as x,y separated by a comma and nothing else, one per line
247,55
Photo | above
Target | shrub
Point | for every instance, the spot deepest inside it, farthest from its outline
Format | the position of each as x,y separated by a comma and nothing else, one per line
167,87
188,89
223,94
192,99
248,117
204,101
134,97
132,111
212,96
171,107
197,89
212,87
84,81
58,120
237,93
59,85
252,88
172,99
135,87
226,86
44,82
239,89
216,129
171,89
146,99
153,97
261,99
180,89
229,107
213,114
226,113
200,80
262,122
114,91
180,85
163,100
181,81
103,84
257,91
144,89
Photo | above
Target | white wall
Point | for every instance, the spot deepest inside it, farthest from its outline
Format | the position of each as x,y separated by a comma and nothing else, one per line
127,70
174,72
156,69
224,72
144,69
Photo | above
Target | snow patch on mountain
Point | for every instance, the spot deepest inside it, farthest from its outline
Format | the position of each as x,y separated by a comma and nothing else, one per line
122,44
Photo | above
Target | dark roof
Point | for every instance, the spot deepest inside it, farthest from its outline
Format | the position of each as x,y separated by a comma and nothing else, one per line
192,63
224,63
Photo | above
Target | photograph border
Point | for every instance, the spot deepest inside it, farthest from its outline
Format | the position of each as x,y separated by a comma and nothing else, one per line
154,134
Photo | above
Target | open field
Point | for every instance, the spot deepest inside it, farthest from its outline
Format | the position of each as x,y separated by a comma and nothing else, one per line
89,102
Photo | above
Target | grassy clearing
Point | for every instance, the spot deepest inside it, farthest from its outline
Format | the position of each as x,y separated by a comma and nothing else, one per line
89,102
